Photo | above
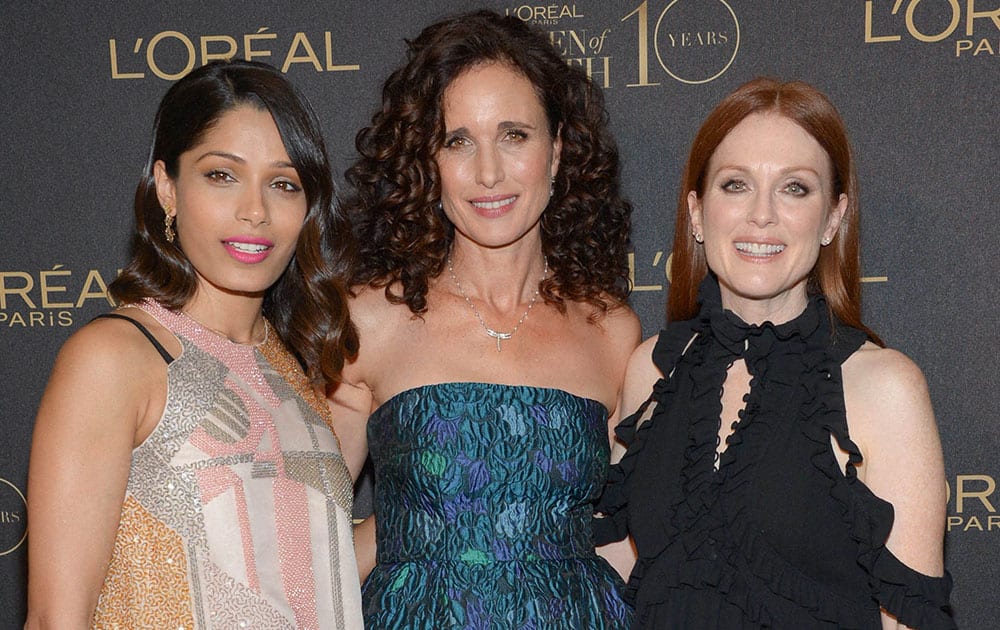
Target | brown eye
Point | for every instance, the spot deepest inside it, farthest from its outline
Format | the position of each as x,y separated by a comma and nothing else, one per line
286,186
219,176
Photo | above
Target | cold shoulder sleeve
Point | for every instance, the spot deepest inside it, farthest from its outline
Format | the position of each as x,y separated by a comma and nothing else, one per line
611,521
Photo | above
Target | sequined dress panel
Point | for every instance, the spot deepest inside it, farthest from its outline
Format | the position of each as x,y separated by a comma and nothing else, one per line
237,509
483,500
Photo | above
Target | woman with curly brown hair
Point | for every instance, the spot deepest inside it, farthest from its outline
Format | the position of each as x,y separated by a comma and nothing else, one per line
490,302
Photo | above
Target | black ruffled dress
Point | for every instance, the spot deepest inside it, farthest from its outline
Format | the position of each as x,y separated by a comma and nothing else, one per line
774,534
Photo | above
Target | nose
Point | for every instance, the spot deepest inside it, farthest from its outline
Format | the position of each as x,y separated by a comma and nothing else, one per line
762,211
253,208
489,167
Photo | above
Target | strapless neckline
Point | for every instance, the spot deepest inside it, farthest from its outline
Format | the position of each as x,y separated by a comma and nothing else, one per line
485,385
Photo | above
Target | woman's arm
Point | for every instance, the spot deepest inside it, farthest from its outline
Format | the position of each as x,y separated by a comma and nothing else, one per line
351,405
640,375
890,418
80,456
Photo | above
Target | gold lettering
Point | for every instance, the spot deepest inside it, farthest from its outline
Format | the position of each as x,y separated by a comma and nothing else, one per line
87,294
231,48
310,56
972,15
631,274
115,74
954,521
588,65
869,38
984,46
46,289
992,520
23,291
151,55
956,15
575,38
972,522
596,43
961,493
642,17
329,58
557,42
248,40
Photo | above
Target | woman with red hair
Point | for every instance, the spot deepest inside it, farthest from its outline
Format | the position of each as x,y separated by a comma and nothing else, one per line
786,470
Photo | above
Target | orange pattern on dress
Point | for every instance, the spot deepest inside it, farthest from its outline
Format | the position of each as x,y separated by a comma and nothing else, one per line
146,584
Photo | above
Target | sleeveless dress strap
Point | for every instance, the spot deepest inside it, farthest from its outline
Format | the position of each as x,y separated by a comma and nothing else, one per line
156,344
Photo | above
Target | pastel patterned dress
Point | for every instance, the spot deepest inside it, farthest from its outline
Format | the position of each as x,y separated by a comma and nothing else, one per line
237,510
483,499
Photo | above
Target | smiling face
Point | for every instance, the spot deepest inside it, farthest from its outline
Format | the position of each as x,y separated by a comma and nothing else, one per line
767,208
498,156
238,203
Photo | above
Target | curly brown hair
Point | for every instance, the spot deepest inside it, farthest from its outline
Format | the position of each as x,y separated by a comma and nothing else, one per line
402,233
308,304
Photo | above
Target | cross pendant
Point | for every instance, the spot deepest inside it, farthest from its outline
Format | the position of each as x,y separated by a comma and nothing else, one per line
499,336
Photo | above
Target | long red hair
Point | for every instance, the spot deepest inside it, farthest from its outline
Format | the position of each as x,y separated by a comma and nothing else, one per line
837,273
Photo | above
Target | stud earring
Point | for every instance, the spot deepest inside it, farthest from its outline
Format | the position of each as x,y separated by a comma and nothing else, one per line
168,226
552,186
698,237
826,241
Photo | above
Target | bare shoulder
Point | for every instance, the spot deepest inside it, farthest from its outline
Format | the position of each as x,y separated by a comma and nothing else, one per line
372,313
890,418
885,388
623,327
640,376
112,346
108,379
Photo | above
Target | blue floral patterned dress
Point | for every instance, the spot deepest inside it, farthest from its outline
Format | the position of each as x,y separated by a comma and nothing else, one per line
483,501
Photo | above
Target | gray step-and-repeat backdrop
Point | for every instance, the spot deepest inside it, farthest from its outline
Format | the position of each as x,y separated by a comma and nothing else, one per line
917,81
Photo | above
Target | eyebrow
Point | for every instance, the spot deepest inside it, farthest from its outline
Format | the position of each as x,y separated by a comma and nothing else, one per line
236,158
743,168
502,126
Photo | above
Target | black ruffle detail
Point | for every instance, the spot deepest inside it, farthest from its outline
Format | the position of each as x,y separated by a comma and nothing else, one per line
710,541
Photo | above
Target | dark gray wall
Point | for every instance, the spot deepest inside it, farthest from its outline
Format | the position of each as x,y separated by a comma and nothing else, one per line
918,88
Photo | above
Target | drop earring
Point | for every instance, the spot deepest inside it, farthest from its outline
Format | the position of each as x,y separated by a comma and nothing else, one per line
168,226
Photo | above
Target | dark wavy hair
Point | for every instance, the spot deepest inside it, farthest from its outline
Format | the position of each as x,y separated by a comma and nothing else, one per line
404,236
837,272
307,306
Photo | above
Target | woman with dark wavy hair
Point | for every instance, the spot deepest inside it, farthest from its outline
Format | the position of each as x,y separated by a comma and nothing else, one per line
786,470
216,493
490,301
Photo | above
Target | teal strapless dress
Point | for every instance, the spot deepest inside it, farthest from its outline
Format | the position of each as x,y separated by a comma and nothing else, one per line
483,501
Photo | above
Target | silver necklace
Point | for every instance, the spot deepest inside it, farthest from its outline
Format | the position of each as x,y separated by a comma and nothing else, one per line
497,334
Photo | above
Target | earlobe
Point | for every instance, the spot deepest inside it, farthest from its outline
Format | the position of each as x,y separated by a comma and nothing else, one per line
694,215
835,219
